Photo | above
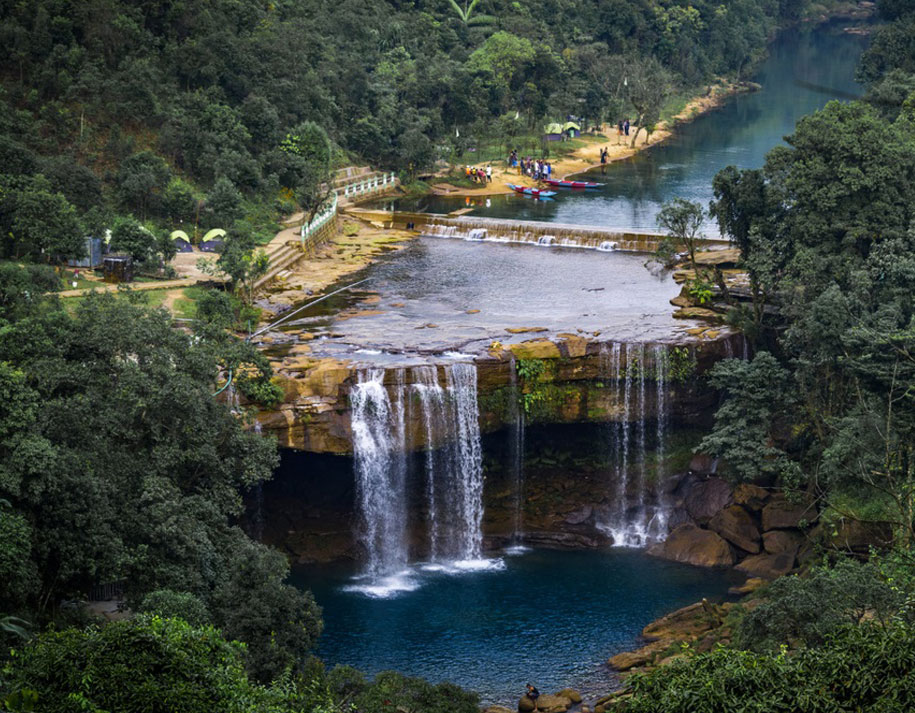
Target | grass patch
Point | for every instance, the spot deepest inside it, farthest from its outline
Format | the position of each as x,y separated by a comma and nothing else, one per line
185,307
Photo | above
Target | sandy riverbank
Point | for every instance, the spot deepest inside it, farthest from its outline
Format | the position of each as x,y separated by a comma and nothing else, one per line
588,156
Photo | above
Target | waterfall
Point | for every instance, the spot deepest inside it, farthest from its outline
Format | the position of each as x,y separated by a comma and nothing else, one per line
635,518
379,452
453,488
462,388
657,526
516,459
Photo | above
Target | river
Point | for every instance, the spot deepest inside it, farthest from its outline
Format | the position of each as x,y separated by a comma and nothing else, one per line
805,69
552,618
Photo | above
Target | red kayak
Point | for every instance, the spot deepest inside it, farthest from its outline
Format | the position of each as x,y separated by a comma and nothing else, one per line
527,191
578,185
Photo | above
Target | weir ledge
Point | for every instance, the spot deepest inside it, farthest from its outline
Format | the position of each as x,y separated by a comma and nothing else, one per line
566,379
521,231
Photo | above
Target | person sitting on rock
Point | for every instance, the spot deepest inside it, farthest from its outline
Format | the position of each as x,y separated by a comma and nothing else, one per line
533,694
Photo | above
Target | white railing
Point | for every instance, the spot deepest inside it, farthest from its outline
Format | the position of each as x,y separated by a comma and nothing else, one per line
327,211
370,185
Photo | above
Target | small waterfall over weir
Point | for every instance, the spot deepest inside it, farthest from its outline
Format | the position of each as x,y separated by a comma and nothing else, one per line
453,473
638,513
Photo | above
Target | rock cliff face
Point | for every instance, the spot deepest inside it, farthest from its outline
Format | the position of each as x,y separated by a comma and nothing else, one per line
563,380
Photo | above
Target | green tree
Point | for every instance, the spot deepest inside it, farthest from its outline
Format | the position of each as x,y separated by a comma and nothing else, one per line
758,393
130,237
39,224
141,181
224,204
682,220
147,663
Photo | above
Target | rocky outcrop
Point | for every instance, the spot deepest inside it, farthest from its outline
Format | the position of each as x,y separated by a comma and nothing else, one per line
766,566
736,526
572,387
784,514
692,545
704,497
776,542
752,497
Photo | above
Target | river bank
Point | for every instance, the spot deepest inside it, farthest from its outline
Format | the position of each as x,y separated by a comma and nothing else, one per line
618,147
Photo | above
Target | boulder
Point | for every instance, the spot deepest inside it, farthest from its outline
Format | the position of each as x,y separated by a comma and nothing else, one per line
693,545
526,705
778,541
571,694
752,497
677,517
751,585
685,623
736,526
767,566
553,704
630,659
704,497
785,515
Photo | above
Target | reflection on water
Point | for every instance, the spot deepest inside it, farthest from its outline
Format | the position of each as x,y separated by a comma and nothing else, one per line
805,70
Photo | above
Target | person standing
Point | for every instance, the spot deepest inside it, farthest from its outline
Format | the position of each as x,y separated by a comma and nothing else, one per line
626,127
619,131
603,160
489,173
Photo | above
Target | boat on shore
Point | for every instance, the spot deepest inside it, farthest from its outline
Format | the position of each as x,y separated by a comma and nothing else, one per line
528,191
574,185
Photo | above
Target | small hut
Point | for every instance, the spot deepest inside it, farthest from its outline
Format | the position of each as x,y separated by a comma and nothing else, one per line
118,268
93,255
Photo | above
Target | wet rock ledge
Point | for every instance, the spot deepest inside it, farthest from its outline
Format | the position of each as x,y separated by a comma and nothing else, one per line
572,385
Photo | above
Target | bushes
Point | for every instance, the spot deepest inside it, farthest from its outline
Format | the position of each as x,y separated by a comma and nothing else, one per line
146,664
865,669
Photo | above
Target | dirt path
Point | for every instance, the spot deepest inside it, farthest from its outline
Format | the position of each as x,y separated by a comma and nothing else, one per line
140,286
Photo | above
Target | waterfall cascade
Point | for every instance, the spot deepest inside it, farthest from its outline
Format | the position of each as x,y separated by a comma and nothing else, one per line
453,488
543,234
516,460
638,513
381,468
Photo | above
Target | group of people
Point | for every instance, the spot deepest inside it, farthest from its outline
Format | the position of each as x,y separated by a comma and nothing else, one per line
479,175
534,168
622,128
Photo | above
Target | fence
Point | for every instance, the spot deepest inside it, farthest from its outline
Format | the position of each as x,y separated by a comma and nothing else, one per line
325,214
370,185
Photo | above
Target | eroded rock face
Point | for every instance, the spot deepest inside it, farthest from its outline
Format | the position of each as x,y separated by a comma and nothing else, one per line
693,545
572,388
736,526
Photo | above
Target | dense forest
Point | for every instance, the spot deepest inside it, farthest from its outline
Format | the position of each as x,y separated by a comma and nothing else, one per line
117,465
184,113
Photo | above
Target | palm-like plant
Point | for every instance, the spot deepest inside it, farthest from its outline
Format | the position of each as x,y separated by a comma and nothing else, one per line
15,626
466,14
